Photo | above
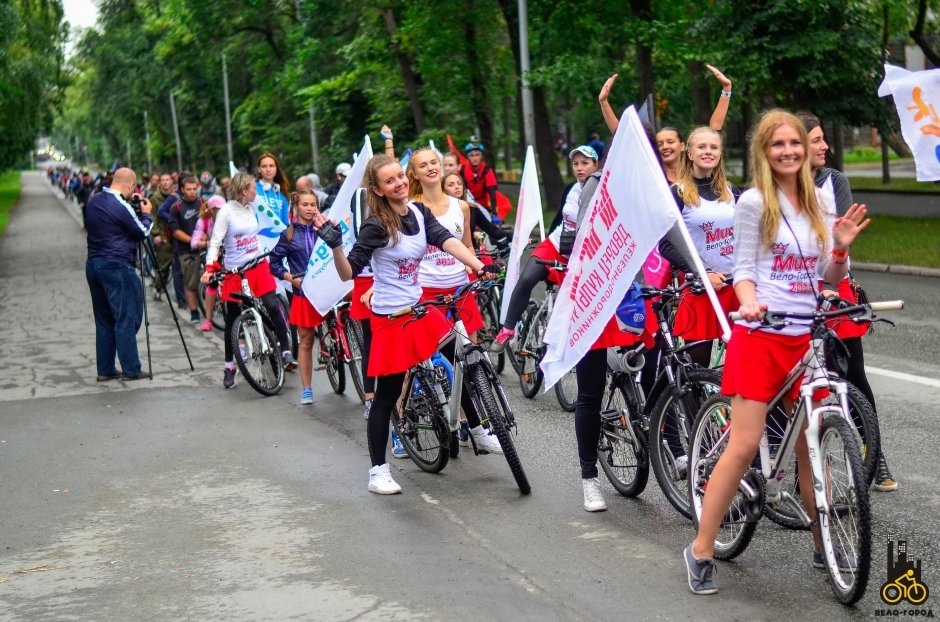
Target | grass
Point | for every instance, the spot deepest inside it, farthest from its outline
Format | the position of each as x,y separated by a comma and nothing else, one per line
9,192
903,184
900,241
867,155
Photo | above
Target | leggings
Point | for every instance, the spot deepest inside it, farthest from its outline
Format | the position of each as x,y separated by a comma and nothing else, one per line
269,300
592,375
532,274
856,369
387,391
368,382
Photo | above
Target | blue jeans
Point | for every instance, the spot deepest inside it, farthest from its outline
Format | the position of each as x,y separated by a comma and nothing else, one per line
117,301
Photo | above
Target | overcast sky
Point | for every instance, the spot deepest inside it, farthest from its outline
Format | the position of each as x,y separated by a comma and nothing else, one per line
79,14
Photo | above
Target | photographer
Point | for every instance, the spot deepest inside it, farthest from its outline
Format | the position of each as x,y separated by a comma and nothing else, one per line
115,229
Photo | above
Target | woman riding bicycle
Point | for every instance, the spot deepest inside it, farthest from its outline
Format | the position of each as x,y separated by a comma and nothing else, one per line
556,247
236,227
836,184
783,249
394,239
706,201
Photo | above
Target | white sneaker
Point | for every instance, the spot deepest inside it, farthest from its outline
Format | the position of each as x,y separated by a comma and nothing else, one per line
486,440
381,482
593,499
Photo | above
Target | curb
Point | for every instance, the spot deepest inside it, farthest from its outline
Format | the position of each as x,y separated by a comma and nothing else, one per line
881,267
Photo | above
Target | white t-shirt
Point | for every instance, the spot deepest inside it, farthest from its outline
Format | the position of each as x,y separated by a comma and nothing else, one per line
786,274
439,269
569,215
395,268
236,226
711,227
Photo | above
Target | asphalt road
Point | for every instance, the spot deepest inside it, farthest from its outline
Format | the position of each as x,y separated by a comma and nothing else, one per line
173,499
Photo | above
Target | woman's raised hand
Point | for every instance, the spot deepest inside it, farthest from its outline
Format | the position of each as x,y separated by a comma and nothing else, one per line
722,78
605,90
846,228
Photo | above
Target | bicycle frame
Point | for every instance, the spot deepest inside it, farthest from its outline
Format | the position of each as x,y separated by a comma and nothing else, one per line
250,303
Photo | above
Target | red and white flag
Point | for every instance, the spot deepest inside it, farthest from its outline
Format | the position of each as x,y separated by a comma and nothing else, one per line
631,210
528,214
916,96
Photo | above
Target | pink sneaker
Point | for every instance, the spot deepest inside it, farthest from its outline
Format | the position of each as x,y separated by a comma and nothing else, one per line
502,339
206,326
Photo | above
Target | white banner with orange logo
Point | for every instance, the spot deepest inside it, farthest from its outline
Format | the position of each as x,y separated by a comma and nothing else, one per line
631,210
916,95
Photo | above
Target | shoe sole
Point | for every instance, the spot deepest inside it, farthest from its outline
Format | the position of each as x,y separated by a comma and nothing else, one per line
400,457
306,402
597,509
384,492
880,488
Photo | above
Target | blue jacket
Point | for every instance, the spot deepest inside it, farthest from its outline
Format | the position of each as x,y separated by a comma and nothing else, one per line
297,251
114,229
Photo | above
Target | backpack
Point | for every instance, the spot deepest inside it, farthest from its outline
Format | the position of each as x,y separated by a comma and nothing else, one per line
631,312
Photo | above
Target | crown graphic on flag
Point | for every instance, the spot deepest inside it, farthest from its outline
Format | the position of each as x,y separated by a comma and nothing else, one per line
779,249
707,226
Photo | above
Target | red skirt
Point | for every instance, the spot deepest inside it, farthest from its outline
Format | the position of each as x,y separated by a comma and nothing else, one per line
303,314
259,279
695,317
846,329
468,307
401,343
357,310
757,363
547,252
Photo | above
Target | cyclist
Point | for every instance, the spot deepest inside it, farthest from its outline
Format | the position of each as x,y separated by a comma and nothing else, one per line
706,201
836,186
202,232
295,247
360,304
783,248
236,227
556,247
394,239
668,139
479,177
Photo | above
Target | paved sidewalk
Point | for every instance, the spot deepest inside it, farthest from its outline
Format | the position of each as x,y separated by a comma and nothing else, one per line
49,328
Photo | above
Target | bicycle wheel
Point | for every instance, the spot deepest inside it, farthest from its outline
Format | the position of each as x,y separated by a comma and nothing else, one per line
330,357
780,511
671,429
709,438
866,426
621,450
354,340
847,526
496,411
514,348
530,355
284,307
566,391
261,365
490,329
422,426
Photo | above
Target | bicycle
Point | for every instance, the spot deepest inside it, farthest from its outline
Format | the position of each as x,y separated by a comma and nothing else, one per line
490,302
422,425
527,347
340,339
840,489
255,348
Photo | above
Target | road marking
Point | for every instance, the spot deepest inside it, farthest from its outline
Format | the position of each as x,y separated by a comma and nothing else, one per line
930,382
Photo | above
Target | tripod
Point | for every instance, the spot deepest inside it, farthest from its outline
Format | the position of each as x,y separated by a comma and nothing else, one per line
146,246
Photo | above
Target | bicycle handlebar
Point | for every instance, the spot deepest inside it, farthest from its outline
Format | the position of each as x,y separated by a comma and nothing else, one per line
775,317
441,300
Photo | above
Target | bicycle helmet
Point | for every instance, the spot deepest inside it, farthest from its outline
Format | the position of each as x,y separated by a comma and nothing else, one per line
474,146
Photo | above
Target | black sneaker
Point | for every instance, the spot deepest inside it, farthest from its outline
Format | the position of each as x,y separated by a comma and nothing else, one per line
194,316
846,563
228,380
700,573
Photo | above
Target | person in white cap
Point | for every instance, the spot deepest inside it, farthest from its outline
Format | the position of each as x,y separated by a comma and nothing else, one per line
342,171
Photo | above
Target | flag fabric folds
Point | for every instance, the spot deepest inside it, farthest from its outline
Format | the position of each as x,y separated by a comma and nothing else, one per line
916,95
528,214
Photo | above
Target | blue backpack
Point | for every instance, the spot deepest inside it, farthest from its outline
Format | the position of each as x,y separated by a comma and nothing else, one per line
631,312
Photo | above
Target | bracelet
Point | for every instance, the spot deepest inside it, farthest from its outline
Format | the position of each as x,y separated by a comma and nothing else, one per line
840,263
843,254
385,136
726,93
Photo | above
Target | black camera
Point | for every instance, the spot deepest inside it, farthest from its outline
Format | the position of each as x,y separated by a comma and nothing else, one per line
135,202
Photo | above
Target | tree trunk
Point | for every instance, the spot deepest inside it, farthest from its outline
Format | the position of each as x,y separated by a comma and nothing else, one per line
701,95
918,35
479,96
544,148
643,11
838,141
408,77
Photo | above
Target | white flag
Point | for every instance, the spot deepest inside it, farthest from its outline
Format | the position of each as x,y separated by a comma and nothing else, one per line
528,214
322,285
916,93
630,211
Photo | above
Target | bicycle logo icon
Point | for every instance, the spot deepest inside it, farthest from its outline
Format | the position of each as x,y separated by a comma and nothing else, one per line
915,592
904,577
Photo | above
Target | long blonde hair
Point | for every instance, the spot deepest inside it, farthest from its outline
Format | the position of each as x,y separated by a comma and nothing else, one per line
379,205
411,172
762,177
685,180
